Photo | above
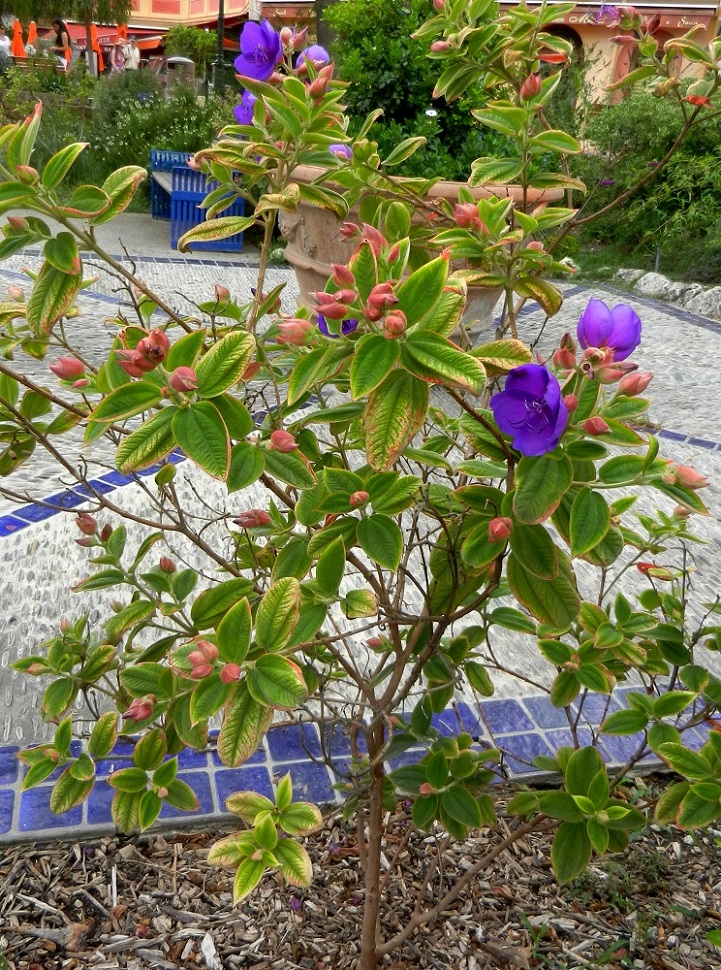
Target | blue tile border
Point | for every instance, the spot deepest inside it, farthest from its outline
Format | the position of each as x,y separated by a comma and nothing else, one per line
521,728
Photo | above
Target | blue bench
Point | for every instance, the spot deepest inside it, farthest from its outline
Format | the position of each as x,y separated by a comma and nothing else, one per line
162,160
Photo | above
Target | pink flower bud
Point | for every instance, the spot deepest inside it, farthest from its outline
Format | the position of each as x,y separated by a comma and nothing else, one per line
16,293
425,789
295,331
373,314
624,40
133,362
141,708
466,216
36,669
250,371
201,671
18,223
300,39
166,564
654,23
196,658
222,293
634,383
208,650
439,5
286,36
86,523
687,476
342,276
375,642
499,529
253,519
531,87
318,87
394,253
654,571
349,230
335,311
154,348
595,425
162,792
358,499
376,239
66,368
282,441
681,513
230,673
439,46
571,402
86,543
395,324
564,359
183,379
346,296
81,384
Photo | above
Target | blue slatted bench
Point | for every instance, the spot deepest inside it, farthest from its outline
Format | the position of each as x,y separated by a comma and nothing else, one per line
162,160
188,189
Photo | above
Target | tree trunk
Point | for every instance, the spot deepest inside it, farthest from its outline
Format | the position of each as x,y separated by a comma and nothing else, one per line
371,905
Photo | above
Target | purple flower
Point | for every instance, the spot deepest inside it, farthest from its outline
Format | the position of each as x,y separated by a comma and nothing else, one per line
244,111
607,14
618,329
260,50
317,55
530,409
606,182
346,327
342,151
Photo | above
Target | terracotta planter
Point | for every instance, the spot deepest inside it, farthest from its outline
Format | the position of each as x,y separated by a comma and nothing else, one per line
314,242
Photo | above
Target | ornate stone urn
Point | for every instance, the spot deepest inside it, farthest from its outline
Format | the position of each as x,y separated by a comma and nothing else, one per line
314,242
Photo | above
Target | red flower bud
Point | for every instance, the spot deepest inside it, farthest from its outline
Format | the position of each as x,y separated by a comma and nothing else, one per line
499,529
230,673
654,23
166,564
425,788
222,293
698,100
624,40
133,362
18,223
358,499
571,402
376,239
466,216
395,324
253,519
531,87
685,475
286,36
564,358
82,383
295,331
595,425
634,383
86,543
349,230
66,368
282,441
335,311
154,348
394,253
201,671
342,276
106,532
141,708
86,523
183,379
439,5
300,38
375,642
439,46
36,669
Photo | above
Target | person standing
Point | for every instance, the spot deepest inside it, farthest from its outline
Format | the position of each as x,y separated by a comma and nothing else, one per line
4,41
61,48
132,54
117,58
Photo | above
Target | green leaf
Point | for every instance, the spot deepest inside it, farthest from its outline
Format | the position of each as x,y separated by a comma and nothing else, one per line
501,356
148,444
295,865
150,750
300,818
540,485
245,723
200,431
277,614
104,735
209,695
394,413
53,295
422,290
212,604
60,164
58,697
184,352
247,464
381,540
214,229
149,809
126,401
330,567
554,602
425,811
69,791
535,550
436,359
498,171
696,811
686,763
571,851
248,805
374,358
668,804
560,805
129,780
437,770
478,678
62,252
590,520
86,201
147,678
555,141
222,366
548,296
624,722
125,809
236,416
477,550
290,467
249,874
461,806
234,632
315,367
277,682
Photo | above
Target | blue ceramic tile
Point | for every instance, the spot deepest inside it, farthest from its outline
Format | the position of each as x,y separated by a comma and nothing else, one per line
564,739
99,804
621,748
93,486
66,500
7,800
120,757
411,757
544,713
9,766
10,524
595,708
294,743
459,718
521,749
34,513
257,758
192,759
672,435
702,442
505,717
242,779
311,782
35,813
693,739
115,478
200,783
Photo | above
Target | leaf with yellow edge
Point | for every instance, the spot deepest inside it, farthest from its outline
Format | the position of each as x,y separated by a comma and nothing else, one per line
294,861
394,413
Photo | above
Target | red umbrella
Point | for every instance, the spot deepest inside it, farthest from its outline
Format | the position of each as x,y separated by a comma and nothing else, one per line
32,34
17,48
123,32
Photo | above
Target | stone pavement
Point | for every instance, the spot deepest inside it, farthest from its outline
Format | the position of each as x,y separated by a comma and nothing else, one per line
40,558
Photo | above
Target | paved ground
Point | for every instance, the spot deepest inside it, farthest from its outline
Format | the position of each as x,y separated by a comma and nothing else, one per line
38,553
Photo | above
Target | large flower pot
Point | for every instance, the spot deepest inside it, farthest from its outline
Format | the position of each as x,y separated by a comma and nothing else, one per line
314,242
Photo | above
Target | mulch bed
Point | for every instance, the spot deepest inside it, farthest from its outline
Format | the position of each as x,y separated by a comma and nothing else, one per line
153,902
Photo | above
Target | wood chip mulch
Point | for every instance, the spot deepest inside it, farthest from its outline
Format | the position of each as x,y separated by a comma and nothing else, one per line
154,902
